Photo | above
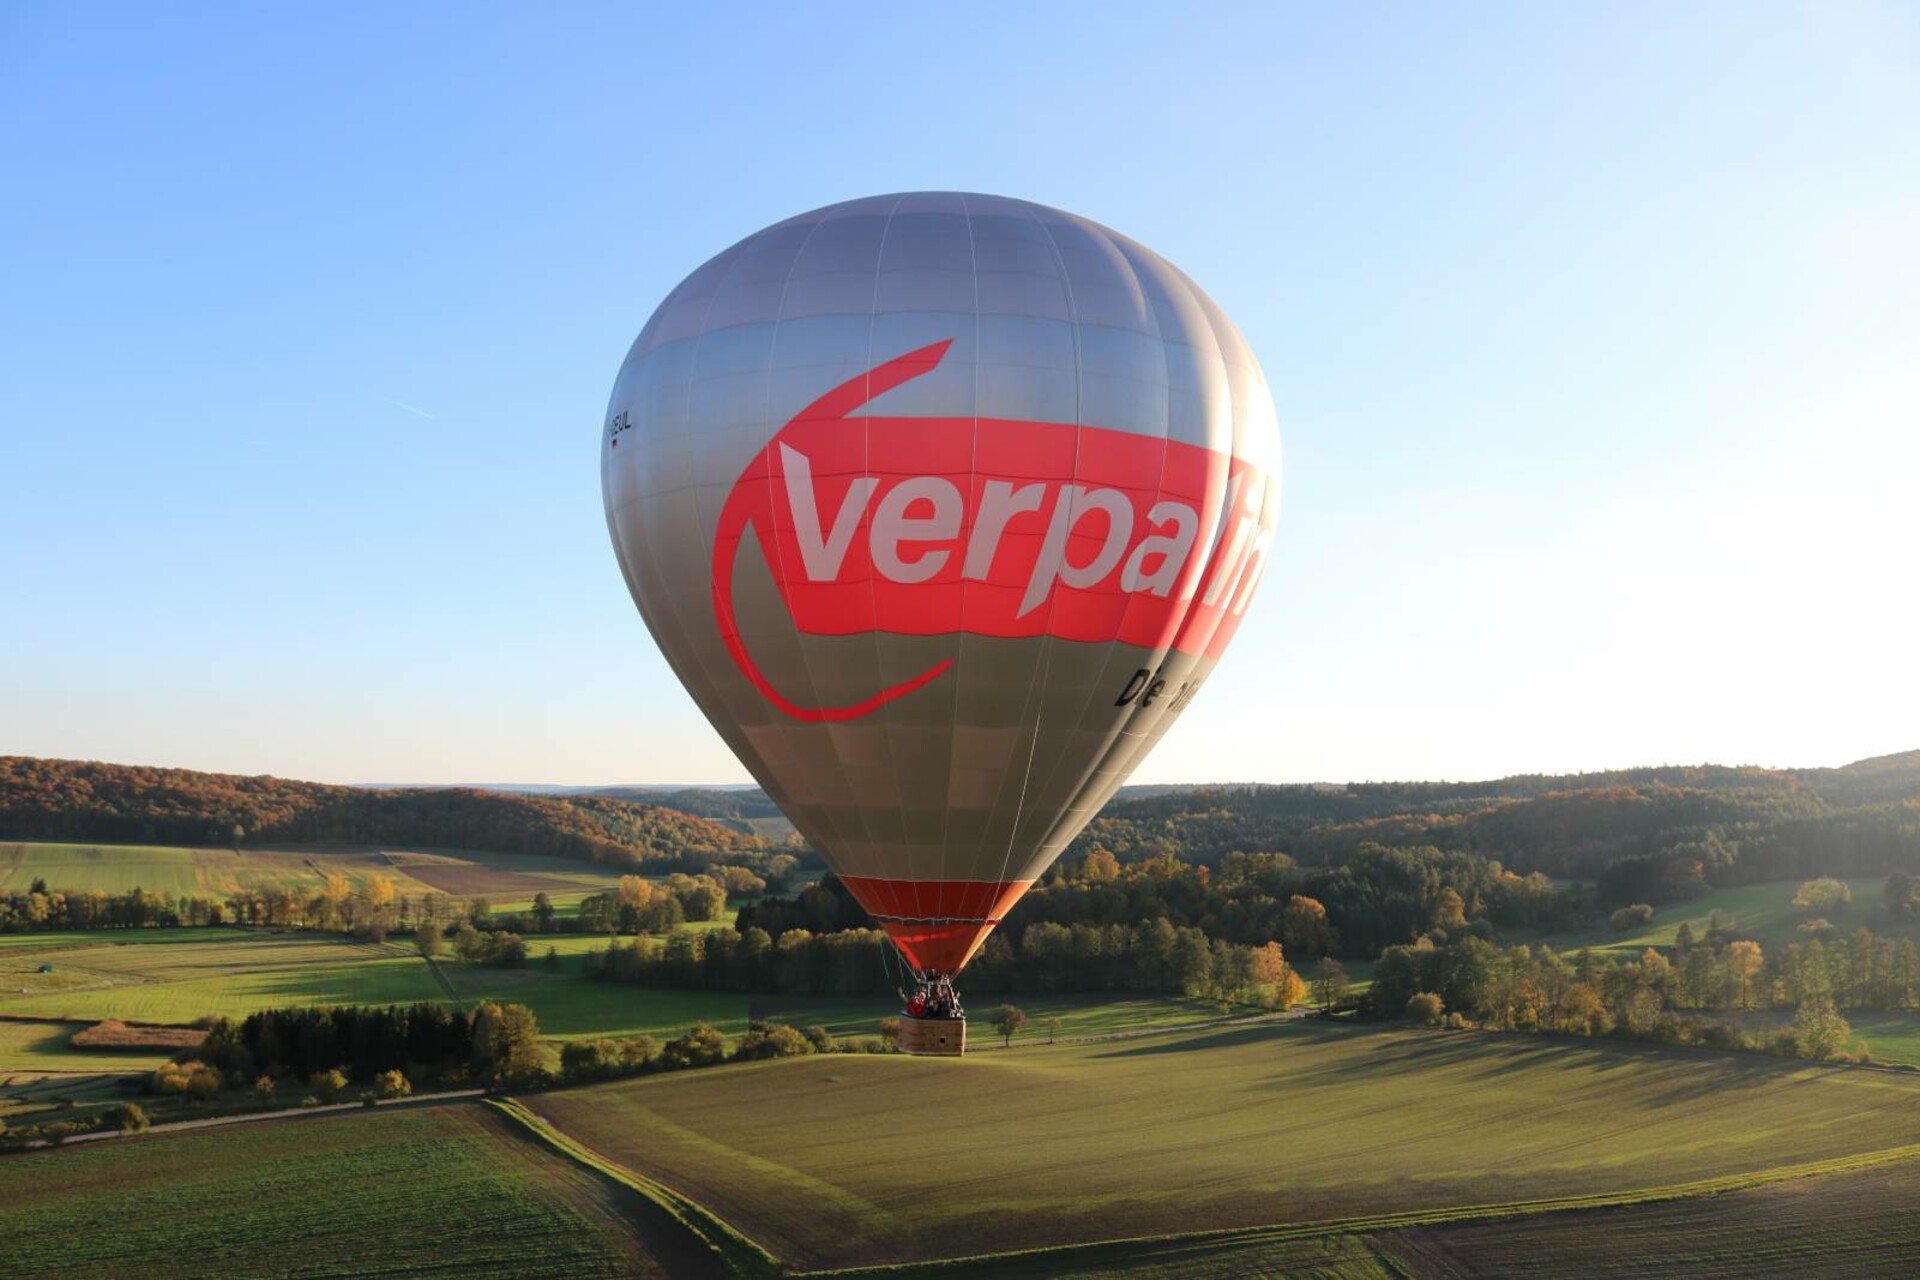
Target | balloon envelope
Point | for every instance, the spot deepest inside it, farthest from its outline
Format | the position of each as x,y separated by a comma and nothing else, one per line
942,507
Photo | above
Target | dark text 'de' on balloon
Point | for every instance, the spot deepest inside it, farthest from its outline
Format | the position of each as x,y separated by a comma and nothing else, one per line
943,507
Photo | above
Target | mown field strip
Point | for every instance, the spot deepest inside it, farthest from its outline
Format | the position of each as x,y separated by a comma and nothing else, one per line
1133,1249
740,1255
1838,1226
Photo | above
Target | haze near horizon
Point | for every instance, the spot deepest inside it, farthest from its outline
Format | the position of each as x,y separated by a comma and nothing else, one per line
1590,334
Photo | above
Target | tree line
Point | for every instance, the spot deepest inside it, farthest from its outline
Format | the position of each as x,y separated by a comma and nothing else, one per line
1378,897
1155,956
1656,996
426,1042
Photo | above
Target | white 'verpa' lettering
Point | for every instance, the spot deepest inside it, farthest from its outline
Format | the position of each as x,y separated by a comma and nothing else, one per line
821,553
1161,563
1052,563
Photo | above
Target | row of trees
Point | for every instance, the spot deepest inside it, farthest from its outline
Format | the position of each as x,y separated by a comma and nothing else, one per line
373,907
638,905
1655,996
1719,971
1155,956
494,1042
1379,897
42,908
702,1046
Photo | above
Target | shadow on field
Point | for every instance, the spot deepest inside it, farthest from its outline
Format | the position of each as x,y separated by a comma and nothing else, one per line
1663,1076
1293,1031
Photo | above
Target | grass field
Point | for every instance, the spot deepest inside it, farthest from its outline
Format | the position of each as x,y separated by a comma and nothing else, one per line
42,1046
510,880
569,1006
845,1161
1762,912
232,972
449,1191
1835,1227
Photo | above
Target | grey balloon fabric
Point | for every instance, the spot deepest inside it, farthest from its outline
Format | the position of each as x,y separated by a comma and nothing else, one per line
942,506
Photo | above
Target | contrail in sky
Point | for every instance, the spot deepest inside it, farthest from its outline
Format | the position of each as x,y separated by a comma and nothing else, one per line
402,404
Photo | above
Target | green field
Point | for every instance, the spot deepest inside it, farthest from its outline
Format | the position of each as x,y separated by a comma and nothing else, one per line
232,972
42,1047
449,1191
845,1161
1762,912
509,880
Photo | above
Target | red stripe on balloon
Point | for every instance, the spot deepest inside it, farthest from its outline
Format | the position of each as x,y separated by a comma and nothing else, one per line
1180,600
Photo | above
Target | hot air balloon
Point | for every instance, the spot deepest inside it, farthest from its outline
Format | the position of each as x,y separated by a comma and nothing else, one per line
942,506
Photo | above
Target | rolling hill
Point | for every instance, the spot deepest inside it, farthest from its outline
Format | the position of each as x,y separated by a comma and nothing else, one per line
71,800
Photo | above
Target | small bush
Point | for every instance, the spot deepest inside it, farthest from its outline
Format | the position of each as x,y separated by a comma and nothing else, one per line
392,1084
1426,1008
1630,917
772,1040
582,1060
1823,894
193,1077
129,1118
309,1101
328,1084
698,1046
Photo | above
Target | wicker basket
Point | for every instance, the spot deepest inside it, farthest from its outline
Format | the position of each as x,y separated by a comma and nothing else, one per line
933,1037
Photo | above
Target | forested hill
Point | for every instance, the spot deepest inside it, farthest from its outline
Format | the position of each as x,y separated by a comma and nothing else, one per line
81,800
1731,824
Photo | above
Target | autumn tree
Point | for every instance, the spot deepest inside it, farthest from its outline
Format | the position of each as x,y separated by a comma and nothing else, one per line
1100,866
1743,963
1007,1020
506,1042
380,892
1449,910
1426,1008
428,939
334,892
327,1085
1819,1031
1329,983
1304,927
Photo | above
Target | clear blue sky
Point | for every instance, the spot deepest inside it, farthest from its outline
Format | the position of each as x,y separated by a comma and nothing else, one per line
1593,332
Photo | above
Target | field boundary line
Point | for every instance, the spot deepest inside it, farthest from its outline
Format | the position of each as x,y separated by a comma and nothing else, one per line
1128,1248
446,983
737,1253
250,1117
